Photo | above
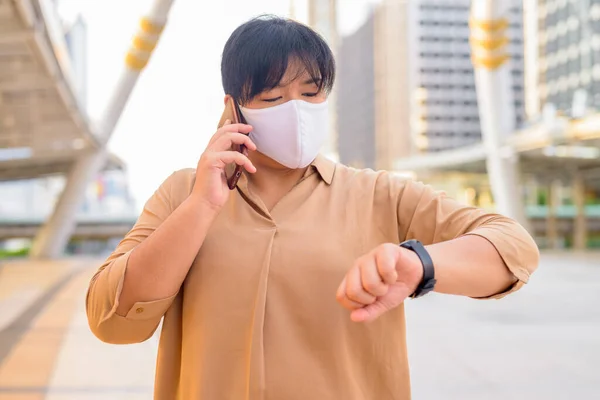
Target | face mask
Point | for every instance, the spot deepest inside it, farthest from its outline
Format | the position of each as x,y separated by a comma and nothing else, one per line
291,133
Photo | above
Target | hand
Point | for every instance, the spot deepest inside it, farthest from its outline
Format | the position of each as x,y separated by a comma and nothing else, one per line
211,183
380,281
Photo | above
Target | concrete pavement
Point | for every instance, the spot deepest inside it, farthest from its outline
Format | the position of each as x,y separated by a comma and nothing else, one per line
540,343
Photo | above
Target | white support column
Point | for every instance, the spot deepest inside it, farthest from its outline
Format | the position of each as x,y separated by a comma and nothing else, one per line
322,16
554,201
53,237
489,43
580,231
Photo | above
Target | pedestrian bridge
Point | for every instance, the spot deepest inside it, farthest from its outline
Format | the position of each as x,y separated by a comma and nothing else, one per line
44,126
106,227
88,227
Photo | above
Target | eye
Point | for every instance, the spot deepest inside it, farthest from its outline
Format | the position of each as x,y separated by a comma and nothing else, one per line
274,99
310,94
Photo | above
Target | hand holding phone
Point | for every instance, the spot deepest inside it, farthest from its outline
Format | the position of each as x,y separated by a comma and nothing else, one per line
220,166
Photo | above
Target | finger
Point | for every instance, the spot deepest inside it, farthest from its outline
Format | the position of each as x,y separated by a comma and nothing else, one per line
228,139
371,281
241,128
218,133
354,288
345,301
369,313
221,159
229,127
393,298
386,265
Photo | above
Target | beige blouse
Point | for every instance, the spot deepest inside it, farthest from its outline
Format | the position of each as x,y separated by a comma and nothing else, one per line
257,318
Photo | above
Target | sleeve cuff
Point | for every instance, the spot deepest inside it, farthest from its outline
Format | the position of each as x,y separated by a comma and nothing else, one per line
514,255
149,309
140,310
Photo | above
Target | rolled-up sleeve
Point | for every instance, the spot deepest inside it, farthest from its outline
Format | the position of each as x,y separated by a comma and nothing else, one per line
105,287
432,217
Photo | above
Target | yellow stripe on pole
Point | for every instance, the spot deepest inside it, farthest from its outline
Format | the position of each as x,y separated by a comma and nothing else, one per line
134,62
143,44
489,43
489,25
490,62
148,26
139,43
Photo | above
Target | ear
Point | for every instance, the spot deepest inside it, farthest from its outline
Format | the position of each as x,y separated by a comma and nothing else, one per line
227,97
228,112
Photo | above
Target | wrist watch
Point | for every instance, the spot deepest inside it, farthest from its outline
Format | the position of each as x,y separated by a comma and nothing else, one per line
428,282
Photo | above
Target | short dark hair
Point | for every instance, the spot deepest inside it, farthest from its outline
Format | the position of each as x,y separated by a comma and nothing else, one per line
256,56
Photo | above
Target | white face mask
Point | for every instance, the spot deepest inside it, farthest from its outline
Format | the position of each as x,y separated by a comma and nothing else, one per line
291,133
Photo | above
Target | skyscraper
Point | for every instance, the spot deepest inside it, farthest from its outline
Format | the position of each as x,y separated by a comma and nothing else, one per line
423,95
322,17
391,50
76,40
444,110
373,105
564,53
356,94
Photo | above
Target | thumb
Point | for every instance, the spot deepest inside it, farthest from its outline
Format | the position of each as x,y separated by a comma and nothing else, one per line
370,312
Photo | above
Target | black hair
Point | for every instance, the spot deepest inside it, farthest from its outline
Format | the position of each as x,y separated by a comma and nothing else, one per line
256,56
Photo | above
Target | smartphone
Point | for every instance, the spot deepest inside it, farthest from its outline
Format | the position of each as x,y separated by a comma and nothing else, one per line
232,113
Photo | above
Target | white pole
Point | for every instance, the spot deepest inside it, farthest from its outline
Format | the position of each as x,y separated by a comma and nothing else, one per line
53,237
489,44
136,60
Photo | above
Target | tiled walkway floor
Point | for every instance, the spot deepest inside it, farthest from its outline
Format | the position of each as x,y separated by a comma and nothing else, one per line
46,348
540,343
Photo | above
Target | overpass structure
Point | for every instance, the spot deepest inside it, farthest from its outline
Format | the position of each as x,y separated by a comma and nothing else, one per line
44,129
556,148
43,126
88,227
106,228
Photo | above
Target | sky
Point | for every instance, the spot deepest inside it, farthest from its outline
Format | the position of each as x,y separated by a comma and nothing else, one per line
176,104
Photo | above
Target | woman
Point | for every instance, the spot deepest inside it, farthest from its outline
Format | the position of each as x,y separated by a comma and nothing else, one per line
247,280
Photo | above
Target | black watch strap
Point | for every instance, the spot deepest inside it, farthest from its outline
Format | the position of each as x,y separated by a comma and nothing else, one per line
428,282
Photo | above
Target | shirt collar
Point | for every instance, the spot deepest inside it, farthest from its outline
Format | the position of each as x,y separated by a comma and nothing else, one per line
325,167
321,164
